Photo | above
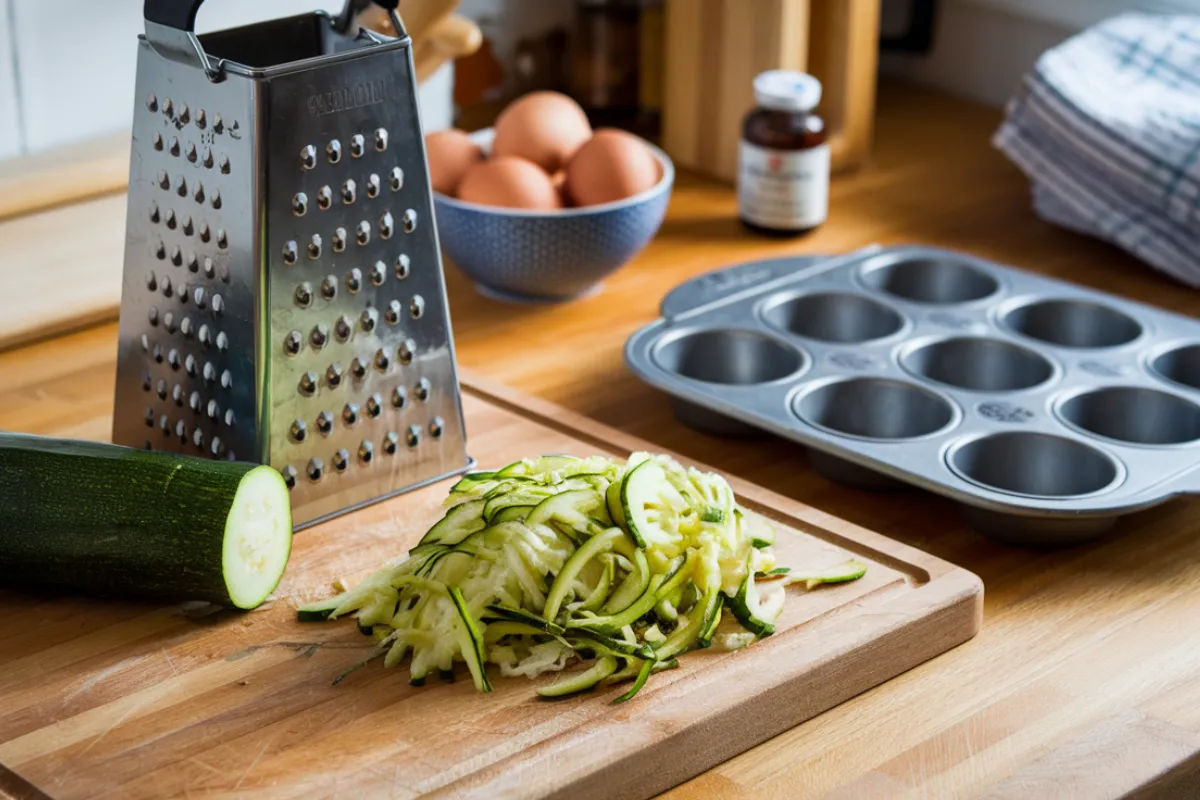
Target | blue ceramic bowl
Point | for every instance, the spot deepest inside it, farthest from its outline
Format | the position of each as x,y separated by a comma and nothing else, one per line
549,255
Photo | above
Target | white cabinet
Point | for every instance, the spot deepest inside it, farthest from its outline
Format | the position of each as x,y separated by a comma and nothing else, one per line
10,121
76,60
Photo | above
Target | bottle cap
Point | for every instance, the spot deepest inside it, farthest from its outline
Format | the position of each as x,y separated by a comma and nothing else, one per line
787,90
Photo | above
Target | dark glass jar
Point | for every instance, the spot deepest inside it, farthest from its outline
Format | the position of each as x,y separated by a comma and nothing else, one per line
783,160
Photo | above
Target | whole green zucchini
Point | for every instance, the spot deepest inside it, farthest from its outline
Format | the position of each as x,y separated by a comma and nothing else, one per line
92,518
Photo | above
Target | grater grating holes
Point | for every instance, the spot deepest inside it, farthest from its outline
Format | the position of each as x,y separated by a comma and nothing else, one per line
391,442
158,355
436,426
314,247
349,192
191,153
333,151
174,148
406,352
416,306
216,199
338,240
160,251
205,232
329,287
292,343
222,342
152,102
374,403
341,459
334,374
210,372
199,194
366,452
378,273
325,423
207,159
392,314
177,256
170,219
145,343
188,228
218,124
289,476
324,198
399,397
358,368
303,295
363,233
382,362
223,164
169,322
396,179
350,414
319,337
173,359
190,365
227,380
185,115
154,215
403,266
163,180
342,329
373,186
358,145
308,157
367,319
299,431
181,186
158,142
409,220
185,327
300,204
381,139
354,280
387,225
161,389
412,437
151,281
423,389
213,409
290,252
230,418
201,119
198,439
308,384
152,315
177,394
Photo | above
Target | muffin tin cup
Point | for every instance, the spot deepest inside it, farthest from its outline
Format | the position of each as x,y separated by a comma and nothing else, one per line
1045,409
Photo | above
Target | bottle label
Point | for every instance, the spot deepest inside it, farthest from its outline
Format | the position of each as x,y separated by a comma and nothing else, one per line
785,189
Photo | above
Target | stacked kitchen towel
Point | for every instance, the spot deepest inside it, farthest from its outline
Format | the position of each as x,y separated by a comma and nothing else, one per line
1107,127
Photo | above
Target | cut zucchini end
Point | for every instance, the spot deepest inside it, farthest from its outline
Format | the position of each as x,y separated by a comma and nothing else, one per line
258,538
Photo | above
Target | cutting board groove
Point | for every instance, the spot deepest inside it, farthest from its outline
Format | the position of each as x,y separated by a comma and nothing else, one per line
114,699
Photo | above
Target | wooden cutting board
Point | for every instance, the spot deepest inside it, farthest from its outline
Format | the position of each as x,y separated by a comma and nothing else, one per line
105,699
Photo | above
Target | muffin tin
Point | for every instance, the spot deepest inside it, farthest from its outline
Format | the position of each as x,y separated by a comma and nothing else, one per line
1046,409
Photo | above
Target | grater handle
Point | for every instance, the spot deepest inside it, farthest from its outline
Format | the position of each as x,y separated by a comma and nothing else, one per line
178,14
181,14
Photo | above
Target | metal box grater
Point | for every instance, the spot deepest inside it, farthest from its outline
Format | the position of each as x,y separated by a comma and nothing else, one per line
283,299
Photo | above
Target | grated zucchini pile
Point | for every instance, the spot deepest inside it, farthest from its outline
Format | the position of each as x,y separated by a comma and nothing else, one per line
556,559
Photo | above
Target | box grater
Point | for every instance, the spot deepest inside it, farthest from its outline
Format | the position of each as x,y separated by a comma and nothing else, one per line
283,299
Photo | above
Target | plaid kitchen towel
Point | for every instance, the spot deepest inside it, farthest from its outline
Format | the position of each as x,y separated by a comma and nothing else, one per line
1107,127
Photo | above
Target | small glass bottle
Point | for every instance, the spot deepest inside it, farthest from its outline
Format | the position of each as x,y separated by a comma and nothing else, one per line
783,160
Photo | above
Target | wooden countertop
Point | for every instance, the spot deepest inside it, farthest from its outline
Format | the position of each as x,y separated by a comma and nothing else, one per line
1085,681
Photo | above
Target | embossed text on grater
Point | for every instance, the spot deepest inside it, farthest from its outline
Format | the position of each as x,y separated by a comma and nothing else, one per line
283,299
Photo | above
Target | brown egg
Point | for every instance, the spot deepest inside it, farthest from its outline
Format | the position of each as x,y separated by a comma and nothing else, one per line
544,127
510,182
611,166
451,153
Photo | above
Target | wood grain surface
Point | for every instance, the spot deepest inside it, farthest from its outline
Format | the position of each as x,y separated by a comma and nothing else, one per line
110,699
1084,682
